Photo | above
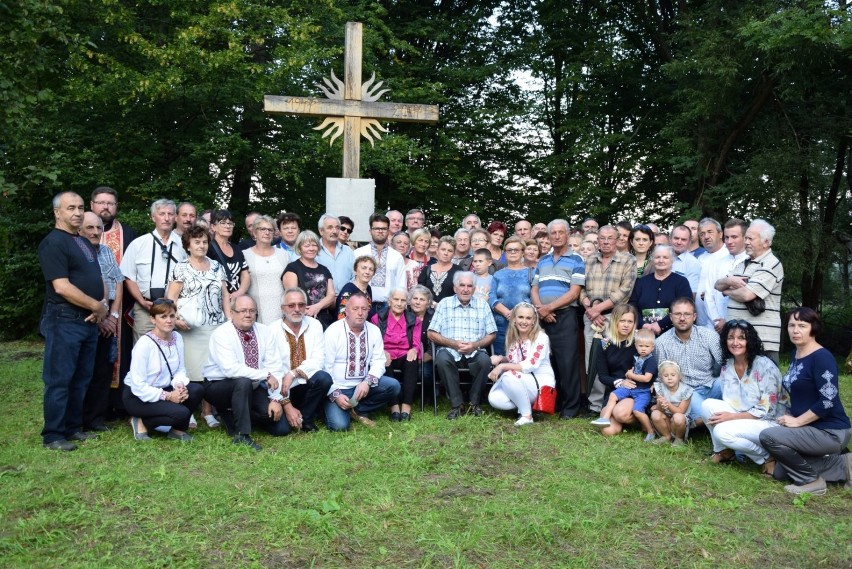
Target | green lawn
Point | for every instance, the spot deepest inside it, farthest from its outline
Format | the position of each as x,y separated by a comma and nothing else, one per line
431,493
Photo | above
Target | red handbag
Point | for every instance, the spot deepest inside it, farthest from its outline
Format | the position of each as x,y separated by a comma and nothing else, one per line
546,400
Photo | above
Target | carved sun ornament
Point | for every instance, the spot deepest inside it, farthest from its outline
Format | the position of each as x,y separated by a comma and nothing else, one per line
333,126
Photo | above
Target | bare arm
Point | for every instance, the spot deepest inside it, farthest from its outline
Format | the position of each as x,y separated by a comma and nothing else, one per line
77,297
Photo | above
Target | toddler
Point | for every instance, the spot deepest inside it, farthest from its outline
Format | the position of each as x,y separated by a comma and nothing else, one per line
672,401
642,375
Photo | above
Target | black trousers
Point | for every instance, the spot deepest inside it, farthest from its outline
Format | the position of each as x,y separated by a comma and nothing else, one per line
96,403
410,375
238,397
164,413
564,358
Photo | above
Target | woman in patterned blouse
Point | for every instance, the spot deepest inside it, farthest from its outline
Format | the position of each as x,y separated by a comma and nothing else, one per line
525,368
808,443
751,386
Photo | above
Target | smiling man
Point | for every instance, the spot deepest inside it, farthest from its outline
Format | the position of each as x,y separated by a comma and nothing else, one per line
74,305
463,326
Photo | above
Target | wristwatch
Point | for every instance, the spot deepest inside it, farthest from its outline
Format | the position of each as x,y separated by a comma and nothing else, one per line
114,315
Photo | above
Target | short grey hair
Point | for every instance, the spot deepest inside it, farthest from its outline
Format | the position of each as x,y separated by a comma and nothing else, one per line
422,290
259,218
395,290
463,275
235,299
323,217
556,222
163,203
459,231
472,215
764,229
293,289
710,221
420,233
306,236
664,248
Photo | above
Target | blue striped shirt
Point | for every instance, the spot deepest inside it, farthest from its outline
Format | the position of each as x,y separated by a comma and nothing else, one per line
555,277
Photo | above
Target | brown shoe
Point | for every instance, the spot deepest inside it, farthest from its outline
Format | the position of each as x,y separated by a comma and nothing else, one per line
723,456
361,419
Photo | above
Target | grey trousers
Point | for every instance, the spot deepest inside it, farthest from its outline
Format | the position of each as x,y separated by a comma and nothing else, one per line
807,453
596,396
448,372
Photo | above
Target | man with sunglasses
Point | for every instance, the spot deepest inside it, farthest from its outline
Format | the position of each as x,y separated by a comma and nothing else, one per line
304,382
344,234
148,263
242,375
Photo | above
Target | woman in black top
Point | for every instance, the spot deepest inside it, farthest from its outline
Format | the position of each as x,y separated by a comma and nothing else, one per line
614,360
313,278
231,258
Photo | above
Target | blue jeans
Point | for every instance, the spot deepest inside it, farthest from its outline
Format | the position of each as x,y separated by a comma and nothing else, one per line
699,394
69,360
380,396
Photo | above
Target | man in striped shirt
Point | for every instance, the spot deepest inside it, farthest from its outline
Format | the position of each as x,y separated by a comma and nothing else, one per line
754,287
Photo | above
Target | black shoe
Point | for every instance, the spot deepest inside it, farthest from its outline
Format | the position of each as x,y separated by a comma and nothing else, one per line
247,441
395,417
227,420
97,428
60,445
455,412
81,436
309,427
566,416
404,417
475,411
185,437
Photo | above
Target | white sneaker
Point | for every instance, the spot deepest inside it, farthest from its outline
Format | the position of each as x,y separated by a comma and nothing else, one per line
524,421
211,421
193,424
601,422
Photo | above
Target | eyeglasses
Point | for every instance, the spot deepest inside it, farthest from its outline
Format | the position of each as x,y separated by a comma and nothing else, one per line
294,305
635,227
264,229
105,204
164,301
739,323
378,229
346,229
513,250
226,223
248,311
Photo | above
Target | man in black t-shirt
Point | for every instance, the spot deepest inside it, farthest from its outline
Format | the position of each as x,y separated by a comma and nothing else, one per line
74,305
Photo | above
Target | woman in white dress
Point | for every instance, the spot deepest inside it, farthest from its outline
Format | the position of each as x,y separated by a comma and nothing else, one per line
525,367
266,265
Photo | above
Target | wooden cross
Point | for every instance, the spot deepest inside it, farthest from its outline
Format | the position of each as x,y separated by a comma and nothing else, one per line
348,109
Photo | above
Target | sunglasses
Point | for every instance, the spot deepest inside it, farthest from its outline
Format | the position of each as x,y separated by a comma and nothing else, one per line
346,229
164,301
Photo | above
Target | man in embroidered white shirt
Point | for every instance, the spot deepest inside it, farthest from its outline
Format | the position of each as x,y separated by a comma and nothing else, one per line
355,358
304,382
242,374
390,266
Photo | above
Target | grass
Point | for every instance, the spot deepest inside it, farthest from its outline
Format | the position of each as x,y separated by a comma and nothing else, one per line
430,493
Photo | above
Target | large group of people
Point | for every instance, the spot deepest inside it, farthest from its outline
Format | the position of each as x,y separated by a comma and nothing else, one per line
289,328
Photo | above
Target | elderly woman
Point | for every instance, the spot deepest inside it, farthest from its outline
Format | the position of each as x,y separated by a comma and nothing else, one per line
509,287
402,333
158,393
420,303
526,366
438,277
810,439
313,278
614,361
498,231
266,264
199,288
653,294
751,386
642,247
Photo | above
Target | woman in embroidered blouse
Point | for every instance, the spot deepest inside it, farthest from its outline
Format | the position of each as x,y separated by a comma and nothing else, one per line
509,287
615,359
313,278
642,247
266,264
654,293
751,385
199,287
158,393
364,269
438,277
394,321
527,362
809,440
418,258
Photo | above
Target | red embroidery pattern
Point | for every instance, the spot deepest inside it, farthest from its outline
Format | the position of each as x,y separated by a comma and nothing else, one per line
250,350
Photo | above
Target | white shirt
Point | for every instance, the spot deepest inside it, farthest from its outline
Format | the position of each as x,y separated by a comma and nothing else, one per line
686,265
708,263
394,276
227,360
311,329
136,262
337,355
722,266
149,372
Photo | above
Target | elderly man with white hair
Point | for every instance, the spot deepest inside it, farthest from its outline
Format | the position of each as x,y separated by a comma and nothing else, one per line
754,287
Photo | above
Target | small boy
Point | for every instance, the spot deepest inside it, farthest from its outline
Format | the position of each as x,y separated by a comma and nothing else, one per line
482,260
669,411
643,374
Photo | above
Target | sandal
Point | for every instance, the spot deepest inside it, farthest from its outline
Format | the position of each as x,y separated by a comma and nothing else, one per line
723,456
